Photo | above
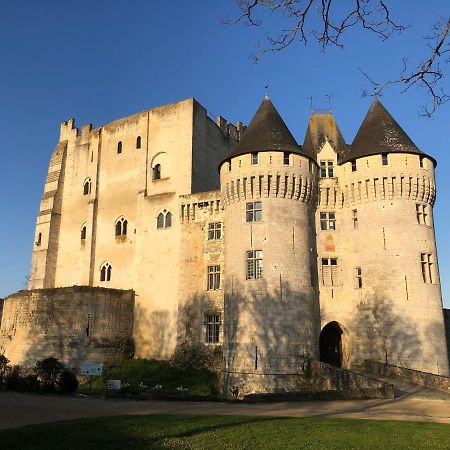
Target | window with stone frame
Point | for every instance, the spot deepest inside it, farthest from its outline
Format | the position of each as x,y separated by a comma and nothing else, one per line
327,169
213,278
87,186
422,214
83,232
426,262
214,231
164,219
212,328
255,158
286,158
328,221
354,167
254,259
253,211
121,226
384,159
105,272
358,278
330,272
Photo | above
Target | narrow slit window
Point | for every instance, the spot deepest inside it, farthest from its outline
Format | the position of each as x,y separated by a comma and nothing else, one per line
119,147
157,172
358,278
354,165
384,159
83,232
138,142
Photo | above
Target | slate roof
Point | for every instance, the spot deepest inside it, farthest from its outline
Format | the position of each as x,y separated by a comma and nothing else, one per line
323,127
266,132
380,133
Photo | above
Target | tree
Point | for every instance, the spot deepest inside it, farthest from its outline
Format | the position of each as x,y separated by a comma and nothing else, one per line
326,21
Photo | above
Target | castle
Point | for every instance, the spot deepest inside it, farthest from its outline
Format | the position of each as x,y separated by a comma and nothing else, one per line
174,227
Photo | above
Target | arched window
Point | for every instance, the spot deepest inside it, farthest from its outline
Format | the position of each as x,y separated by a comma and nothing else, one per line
121,227
105,272
160,221
119,147
157,172
83,232
168,222
138,142
87,186
164,219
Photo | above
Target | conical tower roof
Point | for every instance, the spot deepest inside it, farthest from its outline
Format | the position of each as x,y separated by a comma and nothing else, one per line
266,131
380,133
321,128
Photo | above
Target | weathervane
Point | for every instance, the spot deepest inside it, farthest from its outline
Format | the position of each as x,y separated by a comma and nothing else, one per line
267,90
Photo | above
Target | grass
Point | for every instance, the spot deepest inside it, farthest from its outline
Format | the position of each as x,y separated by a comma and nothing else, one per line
156,379
227,432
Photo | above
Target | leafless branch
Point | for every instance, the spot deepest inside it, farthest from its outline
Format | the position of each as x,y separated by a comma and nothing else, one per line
428,74
316,18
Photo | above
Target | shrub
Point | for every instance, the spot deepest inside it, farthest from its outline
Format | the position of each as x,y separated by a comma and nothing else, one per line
13,378
198,356
125,350
48,371
4,361
67,382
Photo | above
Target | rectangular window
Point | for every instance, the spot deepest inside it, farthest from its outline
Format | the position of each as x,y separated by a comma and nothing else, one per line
384,159
426,262
422,214
212,328
422,162
311,166
286,158
355,218
354,165
254,264
253,212
214,231
358,278
213,278
328,221
255,158
330,272
326,169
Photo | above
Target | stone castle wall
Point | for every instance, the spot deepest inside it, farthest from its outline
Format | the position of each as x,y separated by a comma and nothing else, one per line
187,145
76,324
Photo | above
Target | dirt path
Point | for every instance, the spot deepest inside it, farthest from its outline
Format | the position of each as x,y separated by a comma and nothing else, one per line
22,409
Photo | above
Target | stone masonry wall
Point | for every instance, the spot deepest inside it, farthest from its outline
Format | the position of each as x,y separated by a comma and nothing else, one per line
447,331
75,324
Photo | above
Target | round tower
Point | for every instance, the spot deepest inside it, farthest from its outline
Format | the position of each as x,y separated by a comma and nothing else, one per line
271,314
389,303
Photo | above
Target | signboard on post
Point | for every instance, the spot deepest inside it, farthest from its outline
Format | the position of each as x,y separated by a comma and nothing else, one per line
92,369
114,384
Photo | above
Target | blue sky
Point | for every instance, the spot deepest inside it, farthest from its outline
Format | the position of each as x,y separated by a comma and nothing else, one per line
101,60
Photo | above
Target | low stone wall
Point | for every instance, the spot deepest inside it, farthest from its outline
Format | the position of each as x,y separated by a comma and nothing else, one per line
313,379
429,380
74,324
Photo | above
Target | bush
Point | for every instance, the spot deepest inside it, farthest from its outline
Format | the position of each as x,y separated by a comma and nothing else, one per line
13,378
197,356
67,382
125,350
4,367
48,371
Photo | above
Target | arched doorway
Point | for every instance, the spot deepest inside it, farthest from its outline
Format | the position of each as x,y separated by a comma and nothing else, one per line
330,344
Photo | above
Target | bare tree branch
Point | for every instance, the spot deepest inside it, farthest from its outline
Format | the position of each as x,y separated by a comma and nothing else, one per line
326,21
427,74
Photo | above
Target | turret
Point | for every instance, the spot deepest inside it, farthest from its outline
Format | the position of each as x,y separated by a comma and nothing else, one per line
271,310
382,298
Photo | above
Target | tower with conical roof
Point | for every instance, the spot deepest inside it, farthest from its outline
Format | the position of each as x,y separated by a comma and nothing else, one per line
271,311
380,295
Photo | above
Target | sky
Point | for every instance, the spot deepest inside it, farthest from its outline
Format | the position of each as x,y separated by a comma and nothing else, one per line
101,60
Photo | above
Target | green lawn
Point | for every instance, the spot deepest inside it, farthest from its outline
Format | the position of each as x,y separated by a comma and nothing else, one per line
156,378
227,432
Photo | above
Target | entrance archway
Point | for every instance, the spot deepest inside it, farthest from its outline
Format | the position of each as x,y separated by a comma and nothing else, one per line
330,344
